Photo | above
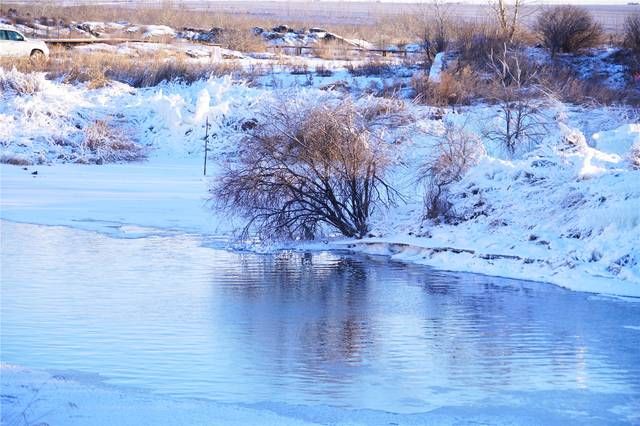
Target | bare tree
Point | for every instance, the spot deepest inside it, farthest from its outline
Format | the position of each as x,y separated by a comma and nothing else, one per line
455,152
508,15
520,120
568,29
435,27
301,169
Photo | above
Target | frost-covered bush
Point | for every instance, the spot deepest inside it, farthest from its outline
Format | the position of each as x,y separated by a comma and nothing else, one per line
455,152
103,143
302,169
16,82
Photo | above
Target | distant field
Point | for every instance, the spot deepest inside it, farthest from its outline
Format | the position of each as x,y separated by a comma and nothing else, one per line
611,16
352,12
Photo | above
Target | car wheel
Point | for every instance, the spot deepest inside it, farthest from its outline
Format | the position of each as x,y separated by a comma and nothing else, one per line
37,56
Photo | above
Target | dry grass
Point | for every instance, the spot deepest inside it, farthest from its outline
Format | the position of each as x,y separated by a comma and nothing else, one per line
335,49
454,88
391,112
104,143
372,67
15,160
243,40
11,80
564,85
96,69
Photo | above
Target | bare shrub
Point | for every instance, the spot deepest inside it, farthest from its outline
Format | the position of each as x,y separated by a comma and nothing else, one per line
520,122
96,69
632,32
434,28
103,143
305,168
14,81
568,29
455,152
475,42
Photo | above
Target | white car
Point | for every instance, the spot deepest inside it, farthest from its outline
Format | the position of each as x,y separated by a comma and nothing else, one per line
14,44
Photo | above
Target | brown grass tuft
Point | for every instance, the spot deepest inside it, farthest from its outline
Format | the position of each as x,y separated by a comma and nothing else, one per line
104,143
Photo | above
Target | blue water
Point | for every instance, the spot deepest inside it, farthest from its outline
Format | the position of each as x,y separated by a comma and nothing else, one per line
168,314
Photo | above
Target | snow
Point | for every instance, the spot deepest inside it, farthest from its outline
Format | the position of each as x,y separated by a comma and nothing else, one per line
158,31
72,399
437,67
618,141
566,211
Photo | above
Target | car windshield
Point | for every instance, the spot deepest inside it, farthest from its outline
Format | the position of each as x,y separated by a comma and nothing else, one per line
3,35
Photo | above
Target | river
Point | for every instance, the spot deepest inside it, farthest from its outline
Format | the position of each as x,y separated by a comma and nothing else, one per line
176,315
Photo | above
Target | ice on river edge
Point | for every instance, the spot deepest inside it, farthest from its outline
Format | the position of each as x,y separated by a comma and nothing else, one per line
73,398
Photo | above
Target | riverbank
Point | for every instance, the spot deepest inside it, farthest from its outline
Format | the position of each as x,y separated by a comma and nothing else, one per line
565,211
71,398
131,200
29,396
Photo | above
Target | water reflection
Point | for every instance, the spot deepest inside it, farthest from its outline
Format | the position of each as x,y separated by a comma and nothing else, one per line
173,316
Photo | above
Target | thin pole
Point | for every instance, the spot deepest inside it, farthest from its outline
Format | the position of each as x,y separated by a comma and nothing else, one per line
206,145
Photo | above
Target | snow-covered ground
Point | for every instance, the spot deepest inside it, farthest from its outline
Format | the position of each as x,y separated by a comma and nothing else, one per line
69,398
29,396
566,211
